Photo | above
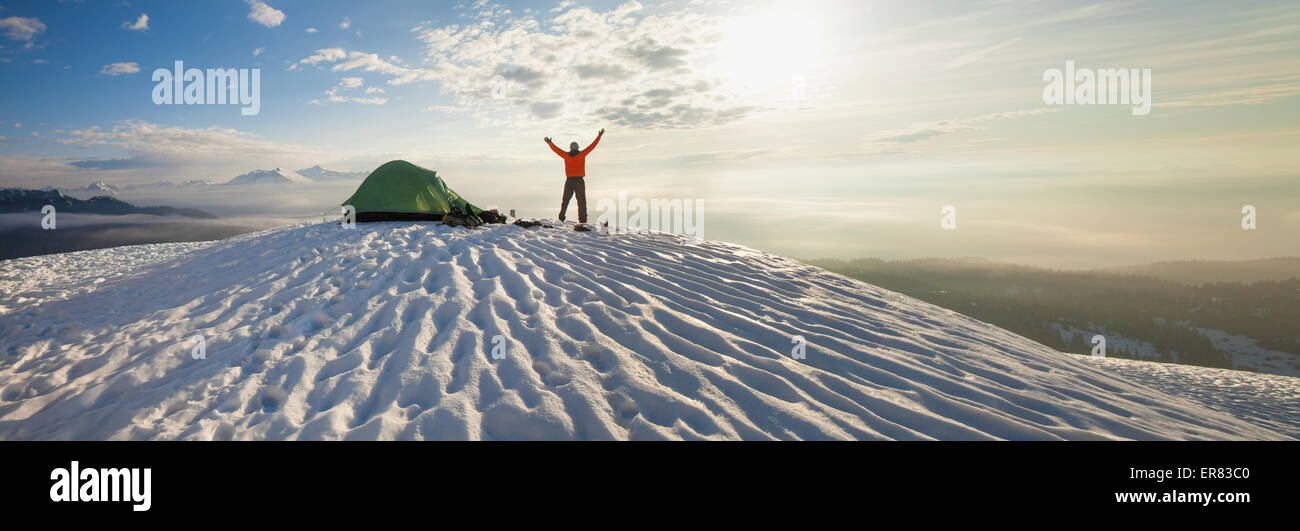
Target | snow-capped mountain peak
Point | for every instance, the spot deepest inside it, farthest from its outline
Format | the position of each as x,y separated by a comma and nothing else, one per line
317,173
100,186
276,176
96,188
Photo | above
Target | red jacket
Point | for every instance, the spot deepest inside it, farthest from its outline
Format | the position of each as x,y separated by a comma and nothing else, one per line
575,165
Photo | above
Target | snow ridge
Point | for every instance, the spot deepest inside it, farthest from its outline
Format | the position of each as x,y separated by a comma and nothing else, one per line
387,332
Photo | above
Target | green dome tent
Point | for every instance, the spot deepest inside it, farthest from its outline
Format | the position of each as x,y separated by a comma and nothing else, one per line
401,191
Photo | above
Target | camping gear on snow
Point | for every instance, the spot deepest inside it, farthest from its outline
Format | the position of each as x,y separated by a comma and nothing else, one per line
461,218
491,216
401,191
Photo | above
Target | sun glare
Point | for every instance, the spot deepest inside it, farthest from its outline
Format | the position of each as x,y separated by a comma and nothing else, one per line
763,51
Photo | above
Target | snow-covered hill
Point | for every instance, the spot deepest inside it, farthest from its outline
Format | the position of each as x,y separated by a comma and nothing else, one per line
1269,400
388,332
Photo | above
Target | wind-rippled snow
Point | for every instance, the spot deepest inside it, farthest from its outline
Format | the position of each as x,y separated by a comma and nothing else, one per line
387,332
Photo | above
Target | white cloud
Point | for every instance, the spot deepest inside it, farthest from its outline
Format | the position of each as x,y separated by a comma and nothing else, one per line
893,140
311,30
626,9
347,23
140,24
370,62
979,54
332,95
151,145
21,28
327,55
1265,91
21,170
1078,13
617,66
259,51
118,69
367,62
262,13
142,151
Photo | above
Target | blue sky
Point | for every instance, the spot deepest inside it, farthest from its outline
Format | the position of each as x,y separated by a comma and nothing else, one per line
851,123
82,37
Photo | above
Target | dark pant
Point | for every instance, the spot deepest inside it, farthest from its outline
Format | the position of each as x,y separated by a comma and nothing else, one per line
575,185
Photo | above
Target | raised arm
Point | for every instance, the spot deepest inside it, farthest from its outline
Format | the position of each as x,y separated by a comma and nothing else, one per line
557,151
594,142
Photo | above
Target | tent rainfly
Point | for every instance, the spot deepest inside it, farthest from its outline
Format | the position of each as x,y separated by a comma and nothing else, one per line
401,191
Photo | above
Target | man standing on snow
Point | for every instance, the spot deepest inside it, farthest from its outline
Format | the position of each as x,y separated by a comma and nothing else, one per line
575,169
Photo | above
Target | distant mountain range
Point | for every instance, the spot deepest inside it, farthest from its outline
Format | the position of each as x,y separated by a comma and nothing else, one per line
303,176
14,200
1210,271
277,176
95,188
167,184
